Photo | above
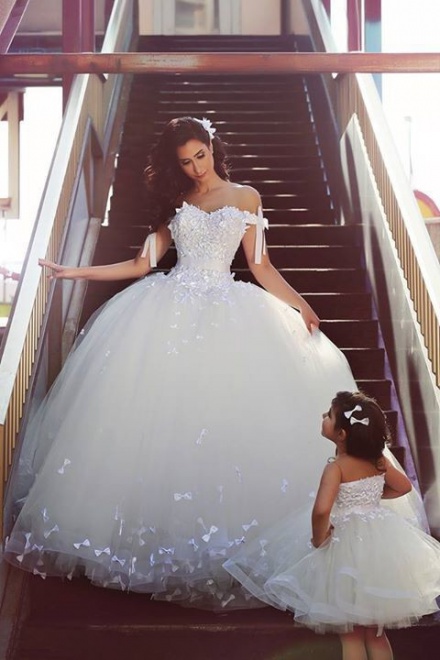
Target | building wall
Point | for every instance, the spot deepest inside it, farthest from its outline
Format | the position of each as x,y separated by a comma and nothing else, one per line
45,17
262,17
256,16
145,9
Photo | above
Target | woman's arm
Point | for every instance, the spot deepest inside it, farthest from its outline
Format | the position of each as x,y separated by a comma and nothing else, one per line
125,270
267,275
396,482
325,498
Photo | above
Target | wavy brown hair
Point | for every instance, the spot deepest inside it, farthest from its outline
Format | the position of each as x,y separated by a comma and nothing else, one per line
166,183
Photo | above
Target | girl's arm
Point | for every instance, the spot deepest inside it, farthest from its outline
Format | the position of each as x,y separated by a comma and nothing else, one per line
396,482
325,498
125,270
267,275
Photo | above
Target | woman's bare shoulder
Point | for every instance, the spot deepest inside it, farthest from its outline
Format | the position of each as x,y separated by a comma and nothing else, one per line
247,198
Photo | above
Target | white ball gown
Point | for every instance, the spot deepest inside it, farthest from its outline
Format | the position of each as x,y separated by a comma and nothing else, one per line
183,423
376,568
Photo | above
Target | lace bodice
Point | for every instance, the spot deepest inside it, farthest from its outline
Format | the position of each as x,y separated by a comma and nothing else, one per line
209,240
361,496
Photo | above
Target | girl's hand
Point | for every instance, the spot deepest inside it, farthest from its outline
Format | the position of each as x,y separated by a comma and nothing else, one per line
316,542
58,272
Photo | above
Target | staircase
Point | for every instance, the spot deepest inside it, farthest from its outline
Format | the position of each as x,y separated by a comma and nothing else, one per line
268,123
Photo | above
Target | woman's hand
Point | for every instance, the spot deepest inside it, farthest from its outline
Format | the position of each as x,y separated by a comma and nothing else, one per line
311,319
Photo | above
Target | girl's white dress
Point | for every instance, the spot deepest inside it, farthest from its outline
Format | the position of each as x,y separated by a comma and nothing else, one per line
376,568
184,422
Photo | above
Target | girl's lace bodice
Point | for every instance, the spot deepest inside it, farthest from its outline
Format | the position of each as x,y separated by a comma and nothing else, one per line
359,497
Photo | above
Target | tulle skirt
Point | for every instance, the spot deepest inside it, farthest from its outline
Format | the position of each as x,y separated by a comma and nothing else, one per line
376,569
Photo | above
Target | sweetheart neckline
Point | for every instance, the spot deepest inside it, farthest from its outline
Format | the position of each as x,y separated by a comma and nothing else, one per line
220,208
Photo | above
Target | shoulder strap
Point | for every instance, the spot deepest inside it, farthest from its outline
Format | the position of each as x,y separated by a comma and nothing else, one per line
150,244
261,224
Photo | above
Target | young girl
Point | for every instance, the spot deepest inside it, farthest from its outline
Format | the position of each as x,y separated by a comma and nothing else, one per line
365,567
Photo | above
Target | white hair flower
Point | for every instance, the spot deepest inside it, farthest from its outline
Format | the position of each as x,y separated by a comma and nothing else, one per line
207,125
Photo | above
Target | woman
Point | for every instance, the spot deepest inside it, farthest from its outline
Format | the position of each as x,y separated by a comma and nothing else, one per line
165,443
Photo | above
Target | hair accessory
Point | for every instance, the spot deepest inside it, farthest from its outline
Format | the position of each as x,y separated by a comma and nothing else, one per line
353,420
365,421
348,413
207,125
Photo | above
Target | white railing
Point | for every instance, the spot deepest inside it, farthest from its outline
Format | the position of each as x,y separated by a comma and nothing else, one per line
91,109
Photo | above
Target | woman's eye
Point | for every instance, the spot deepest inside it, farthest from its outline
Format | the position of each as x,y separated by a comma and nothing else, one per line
200,157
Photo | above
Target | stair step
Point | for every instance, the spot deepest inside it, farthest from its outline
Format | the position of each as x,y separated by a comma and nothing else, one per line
306,280
264,137
275,163
379,389
308,143
276,149
314,234
287,216
223,110
316,256
255,172
236,122
220,81
340,306
234,43
238,93
273,187
366,362
352,333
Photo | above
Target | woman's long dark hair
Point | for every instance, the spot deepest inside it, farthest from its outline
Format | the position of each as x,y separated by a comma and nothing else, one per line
362,440
165,180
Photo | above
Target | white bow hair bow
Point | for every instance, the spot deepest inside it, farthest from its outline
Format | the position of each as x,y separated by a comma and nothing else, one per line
348,414
365,421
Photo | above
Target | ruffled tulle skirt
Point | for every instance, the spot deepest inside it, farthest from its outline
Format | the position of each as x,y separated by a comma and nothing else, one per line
185,421
376,569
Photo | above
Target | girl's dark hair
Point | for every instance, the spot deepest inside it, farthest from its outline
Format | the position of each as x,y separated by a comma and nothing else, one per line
166,182
362,441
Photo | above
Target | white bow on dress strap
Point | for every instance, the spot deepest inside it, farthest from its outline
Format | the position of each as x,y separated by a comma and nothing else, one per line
261,224
150,244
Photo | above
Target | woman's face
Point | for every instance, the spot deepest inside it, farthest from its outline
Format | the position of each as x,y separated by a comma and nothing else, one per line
196,160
